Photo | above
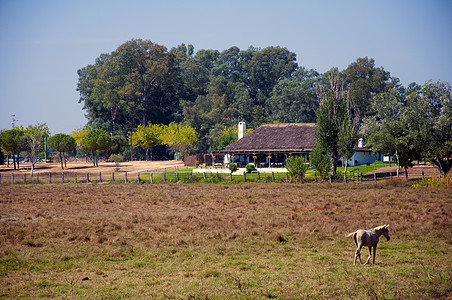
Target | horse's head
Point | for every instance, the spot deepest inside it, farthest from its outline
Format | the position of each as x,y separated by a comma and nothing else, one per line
384,231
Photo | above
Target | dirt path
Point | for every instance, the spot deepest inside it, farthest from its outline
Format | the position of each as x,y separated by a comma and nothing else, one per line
83,167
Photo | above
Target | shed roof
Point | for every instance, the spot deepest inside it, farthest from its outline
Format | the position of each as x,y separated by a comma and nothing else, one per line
276,138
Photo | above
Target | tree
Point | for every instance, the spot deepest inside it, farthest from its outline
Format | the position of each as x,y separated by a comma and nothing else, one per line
436,130
78,135
34,137
178,137
296,168
388,130
95,140
13,141
147,137
294,100
62,143
321,162
363,80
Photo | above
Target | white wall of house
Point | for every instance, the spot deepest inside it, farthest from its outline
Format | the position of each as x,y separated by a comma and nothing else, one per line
361,158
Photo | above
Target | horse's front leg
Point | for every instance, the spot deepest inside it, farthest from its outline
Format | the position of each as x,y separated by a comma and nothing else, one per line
375,253
370,255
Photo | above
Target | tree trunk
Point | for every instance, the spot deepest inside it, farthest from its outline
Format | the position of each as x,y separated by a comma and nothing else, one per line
345,171
397,160
7,161
94,157
64,158
334,165
32,168
147,154
61,160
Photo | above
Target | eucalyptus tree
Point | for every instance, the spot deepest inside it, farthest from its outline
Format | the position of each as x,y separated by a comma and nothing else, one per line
147,137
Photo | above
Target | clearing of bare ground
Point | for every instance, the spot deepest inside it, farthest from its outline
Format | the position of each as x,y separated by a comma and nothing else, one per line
202,241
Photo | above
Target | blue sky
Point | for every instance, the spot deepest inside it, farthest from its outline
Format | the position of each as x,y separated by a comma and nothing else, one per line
44,43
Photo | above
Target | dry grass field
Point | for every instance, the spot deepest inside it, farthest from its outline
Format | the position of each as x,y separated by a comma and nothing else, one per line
222,241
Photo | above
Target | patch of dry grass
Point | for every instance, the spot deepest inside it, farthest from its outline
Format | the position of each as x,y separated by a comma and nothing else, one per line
221,241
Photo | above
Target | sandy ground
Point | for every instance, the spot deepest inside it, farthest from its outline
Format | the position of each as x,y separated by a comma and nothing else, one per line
83,167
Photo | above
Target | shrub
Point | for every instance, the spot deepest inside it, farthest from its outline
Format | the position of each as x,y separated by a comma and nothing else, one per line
321,162
250,168
117,158
197,163
232,167
296,168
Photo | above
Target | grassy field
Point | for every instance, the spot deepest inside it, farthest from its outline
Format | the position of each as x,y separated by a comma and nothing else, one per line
204,241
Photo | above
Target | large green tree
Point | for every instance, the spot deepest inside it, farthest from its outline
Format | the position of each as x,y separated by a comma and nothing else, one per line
96,140
62,143
436,130
13,141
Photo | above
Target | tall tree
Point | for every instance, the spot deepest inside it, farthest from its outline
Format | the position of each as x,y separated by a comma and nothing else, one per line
62,143
363,80
294,99
34,137
388,130
436,132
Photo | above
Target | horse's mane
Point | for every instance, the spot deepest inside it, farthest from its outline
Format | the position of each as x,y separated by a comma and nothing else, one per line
381,227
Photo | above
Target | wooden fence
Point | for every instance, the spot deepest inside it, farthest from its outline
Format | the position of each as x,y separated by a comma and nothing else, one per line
180,176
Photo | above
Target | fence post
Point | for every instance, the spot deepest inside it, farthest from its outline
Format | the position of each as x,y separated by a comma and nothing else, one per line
75,177
0,178
138,176
12,178
422,174
273,176
164,176
87,177
218,176
361,177
204,175
287,177
100,176
37,177
113,176
151,177
230,177
244,176
258,175
62,177
177,176
25,177
125,177
375,178
50,178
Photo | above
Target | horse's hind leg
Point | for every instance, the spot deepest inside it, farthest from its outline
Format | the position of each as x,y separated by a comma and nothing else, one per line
358,254
370,255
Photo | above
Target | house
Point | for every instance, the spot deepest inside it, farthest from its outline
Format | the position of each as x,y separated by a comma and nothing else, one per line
272,144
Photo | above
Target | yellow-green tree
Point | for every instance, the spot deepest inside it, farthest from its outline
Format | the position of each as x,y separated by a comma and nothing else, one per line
78,134
178,137
147,137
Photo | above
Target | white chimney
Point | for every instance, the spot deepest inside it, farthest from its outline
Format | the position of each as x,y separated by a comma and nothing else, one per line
242,130
360,143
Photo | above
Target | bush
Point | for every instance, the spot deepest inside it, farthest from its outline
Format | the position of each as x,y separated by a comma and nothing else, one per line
117,158
296,168
232,167
321,162
250,168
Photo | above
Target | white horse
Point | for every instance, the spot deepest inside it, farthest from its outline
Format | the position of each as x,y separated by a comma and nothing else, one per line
370,239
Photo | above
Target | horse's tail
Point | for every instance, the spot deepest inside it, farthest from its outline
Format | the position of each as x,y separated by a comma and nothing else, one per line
350,234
